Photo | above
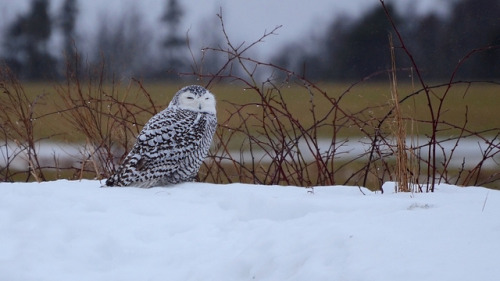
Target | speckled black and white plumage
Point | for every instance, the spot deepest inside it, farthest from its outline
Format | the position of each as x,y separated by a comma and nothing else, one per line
172,144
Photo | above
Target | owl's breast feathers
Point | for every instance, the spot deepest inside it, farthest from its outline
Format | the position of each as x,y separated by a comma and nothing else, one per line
174,129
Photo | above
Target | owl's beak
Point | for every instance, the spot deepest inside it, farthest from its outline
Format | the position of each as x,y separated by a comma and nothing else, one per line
199,106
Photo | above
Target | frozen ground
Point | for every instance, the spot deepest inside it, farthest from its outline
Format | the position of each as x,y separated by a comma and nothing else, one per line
77,231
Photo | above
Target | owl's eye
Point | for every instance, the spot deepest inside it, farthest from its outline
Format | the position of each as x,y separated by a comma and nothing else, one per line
207,98
190,98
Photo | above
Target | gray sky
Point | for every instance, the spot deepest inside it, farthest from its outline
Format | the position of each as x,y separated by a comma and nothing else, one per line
245,20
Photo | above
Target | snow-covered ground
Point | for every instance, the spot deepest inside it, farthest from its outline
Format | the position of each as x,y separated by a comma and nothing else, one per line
468,152
70,230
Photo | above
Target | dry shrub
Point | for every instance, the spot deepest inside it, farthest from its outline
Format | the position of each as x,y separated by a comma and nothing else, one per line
107,119
17,123
267,142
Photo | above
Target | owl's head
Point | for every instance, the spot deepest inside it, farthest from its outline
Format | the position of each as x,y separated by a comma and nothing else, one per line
194,98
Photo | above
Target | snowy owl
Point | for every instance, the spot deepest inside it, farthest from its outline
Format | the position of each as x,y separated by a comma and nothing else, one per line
172,144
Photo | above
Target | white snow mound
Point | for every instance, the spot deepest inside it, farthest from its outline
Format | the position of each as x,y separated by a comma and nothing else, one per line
70,230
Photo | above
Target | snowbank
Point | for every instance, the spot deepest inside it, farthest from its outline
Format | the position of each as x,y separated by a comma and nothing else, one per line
67,230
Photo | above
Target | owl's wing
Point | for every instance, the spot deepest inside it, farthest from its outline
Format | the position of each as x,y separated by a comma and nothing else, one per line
167,139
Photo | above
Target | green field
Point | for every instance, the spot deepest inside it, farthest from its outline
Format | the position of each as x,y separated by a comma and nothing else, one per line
480,101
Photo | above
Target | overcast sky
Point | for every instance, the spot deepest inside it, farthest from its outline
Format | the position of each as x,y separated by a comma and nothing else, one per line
246,20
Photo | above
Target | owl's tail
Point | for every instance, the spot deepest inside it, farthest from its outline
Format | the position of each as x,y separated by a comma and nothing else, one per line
114,180
110,181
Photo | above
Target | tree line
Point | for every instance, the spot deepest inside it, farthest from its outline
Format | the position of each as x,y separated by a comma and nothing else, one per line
119,47
357,48
351,48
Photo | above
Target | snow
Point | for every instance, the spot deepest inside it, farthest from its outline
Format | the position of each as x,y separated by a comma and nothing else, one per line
75,230
464,153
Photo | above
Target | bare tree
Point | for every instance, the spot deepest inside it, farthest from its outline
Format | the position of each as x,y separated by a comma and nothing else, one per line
173,45
67,23
26,43
123,45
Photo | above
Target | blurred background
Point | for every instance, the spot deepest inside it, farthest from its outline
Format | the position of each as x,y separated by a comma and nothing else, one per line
324,40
